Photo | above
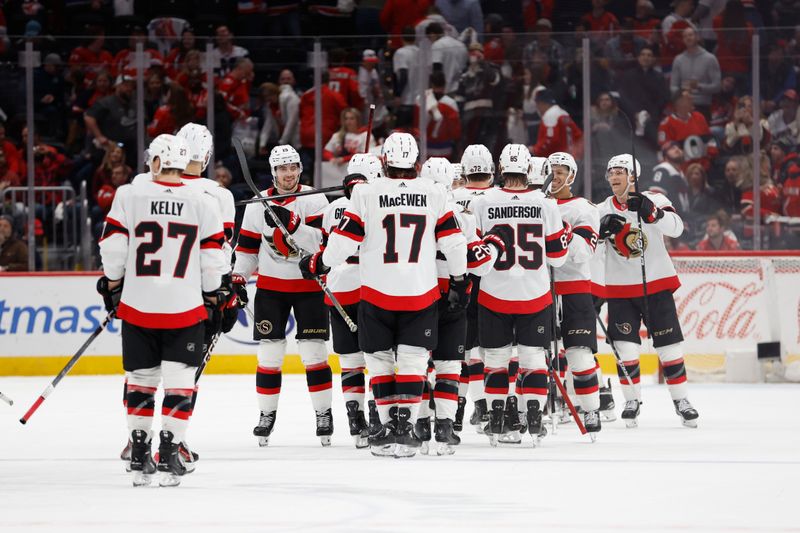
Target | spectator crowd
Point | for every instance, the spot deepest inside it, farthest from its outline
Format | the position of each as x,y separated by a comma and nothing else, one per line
672,77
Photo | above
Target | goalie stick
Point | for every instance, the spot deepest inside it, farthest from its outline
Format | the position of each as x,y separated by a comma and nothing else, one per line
237,145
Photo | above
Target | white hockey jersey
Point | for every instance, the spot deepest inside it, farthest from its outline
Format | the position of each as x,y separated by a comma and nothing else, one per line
255,249
398,224
623,271
575,275
343,280
166,240
480,256
464,195
519,281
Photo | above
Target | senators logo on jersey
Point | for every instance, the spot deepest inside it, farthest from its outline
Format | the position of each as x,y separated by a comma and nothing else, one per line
626,242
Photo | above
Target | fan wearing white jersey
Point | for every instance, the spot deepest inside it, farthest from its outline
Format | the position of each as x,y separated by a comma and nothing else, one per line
624,289
573,283
514,302
448,356
280,289
398,223
162,238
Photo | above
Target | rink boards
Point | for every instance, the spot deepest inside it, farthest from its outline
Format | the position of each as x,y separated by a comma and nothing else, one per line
45,317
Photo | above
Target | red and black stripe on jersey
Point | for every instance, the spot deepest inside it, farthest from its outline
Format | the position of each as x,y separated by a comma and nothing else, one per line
249,242
351,226
556,244
447,225
112,226
214,241
588,234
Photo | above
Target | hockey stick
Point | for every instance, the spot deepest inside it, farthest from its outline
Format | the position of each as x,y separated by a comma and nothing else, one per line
369,126
67,368
237,145
6,399
640,237
620,363
324,190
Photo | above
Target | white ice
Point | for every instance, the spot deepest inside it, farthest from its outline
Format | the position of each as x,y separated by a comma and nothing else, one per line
739,471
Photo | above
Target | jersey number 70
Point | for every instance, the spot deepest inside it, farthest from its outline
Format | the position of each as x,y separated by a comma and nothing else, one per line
526,238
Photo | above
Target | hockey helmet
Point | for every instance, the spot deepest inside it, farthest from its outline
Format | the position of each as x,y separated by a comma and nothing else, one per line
515,159
171,151
400,150
477,159
440,171
367,164
563,159
537,171
624,161
199,140
283,154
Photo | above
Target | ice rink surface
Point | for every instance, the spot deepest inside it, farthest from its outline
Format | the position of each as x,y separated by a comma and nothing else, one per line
739,471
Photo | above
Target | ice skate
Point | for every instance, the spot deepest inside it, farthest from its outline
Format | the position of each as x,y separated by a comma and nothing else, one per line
688,414
535,425
422,431
190,458
630,413
607,404
357,423
406,442
511,424
458,424
374,420
141,464
325,426
591,421
480,416
125,455
263,430
494,428
445,436
170,462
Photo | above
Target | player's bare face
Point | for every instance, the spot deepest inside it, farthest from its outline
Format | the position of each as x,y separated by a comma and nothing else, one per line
287,177
561,174
618,180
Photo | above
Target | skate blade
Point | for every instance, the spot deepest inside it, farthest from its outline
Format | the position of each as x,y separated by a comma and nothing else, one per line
492,439
443,449
402,451
425,449
631,423
325,440
564,419
478,429
361,442
128,466
690,423
190,467
593,436
168,479
263,441
386,450
510,438
608,416
140,479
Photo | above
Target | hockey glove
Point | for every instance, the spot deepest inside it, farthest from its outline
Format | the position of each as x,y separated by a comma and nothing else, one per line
240,289
610,225
567,232
458,295
229,298
312,267
645,207
289,219
501,237
110,296
350,181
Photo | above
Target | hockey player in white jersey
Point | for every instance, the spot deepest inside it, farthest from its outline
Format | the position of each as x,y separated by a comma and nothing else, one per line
624,289
369,165
573,283
280,288
536,175
398,223
162,238
514,302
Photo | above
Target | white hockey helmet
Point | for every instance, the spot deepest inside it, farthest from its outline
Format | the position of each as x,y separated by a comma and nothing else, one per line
563,159
477,159
440,171
515,159
367,164
458,170
624,161
199,140
400,150
283,154
537,171
171,151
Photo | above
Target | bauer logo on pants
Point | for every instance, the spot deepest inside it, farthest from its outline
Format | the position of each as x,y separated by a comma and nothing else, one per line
264,327
624,328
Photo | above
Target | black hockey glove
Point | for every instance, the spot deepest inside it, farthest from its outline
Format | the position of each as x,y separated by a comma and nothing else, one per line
502,237
289,219
230,307
645,207
350,181
610,225
111,297
311,266
240,288
598,303
458,295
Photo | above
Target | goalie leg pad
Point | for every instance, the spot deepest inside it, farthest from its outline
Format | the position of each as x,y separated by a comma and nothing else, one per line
629,353
674,370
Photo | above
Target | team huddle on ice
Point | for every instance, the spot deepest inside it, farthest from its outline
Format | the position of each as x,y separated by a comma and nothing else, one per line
458,288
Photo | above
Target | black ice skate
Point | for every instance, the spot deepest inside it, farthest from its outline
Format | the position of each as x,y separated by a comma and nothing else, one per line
630,413
511,424
266,422
406,442
142,464
458,424
422,431
374,420
325,426
170,462
607,403
357,423
383,443
688,414
190,458
535,425
591,421
445,435
480,416
494,428
125,455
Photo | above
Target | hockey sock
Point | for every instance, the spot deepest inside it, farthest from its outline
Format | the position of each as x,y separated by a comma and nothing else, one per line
463,380
383,390
629,353
194,400
583,370
513,370
561,364
268,388
125,392
674,370
424,406
445,393
534,385
319,378
496,384
141,401
353,381
412,362
475,369
178,390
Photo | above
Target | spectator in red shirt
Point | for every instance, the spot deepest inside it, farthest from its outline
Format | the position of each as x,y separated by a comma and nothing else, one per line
120,175
174,60
493,50
557,131
332,106
689,128
444,123
344,79
771,202
235,89
397,14
672,32
734,38
537,10
717,238
125,60
645,24
784,158
114,156
13,156
348,141
8,178
91,58
173,115
601,22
